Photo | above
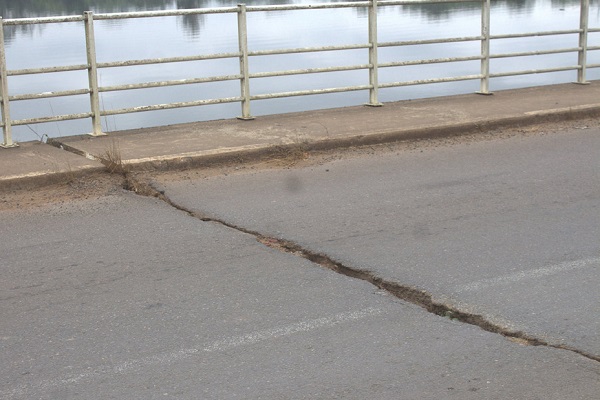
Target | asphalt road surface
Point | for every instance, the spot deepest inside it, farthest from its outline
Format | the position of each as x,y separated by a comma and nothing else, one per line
126,296
507,229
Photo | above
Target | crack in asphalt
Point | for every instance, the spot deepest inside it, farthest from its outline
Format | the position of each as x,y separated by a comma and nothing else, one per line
410,294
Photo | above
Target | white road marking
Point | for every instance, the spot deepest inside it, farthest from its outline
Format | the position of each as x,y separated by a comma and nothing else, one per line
304,326
530,274
169,358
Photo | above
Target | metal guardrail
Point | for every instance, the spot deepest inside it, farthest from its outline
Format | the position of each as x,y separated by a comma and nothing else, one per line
245,76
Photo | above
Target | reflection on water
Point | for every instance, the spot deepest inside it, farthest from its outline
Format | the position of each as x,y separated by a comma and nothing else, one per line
35,8
31,46
192,23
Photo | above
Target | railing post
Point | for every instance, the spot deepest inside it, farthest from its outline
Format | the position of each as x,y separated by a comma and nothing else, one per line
4,106
90,44
484,87
243,46
373,69
583,36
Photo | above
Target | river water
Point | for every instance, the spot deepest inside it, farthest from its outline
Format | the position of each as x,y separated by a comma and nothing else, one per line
34,46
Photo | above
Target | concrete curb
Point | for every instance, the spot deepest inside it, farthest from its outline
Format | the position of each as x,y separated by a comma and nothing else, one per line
263,152
42,179
255,153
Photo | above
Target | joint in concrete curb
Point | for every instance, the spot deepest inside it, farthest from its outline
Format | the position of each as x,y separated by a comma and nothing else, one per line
63,146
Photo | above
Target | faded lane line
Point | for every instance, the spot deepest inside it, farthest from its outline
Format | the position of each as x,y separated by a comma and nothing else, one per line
103,371
290,329
531,274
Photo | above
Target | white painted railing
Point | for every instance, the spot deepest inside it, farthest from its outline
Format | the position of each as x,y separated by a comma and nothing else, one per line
245,76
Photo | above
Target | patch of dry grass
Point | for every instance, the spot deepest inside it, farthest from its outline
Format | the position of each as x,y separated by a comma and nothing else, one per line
113,160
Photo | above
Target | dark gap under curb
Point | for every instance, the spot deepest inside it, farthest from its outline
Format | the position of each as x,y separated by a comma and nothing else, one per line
407,293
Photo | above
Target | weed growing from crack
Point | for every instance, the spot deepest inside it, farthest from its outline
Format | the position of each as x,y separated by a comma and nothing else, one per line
112,159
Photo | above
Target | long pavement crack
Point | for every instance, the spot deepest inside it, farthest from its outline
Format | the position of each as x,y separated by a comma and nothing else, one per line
407,293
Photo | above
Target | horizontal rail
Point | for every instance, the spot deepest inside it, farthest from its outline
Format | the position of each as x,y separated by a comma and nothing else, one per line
165,13
43,20
535,53
48,95
170,106
148,85
428,81
430,41
308,49
535,71
131,63
431,61
410,2
55,118
534,34
593,66
296,7
309,92
47,70
356,4
309,71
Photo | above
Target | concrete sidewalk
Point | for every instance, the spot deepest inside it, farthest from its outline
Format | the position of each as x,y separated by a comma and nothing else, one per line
186,145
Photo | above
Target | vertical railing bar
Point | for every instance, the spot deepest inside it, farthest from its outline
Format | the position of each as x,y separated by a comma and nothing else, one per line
244,70
4,104
373,69
484,87
583,41
90,44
